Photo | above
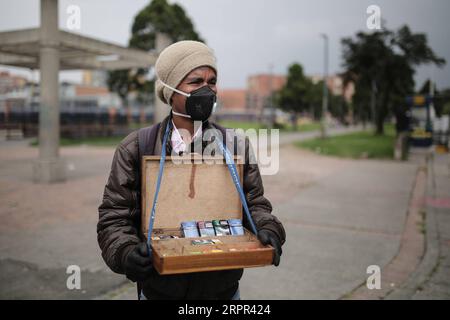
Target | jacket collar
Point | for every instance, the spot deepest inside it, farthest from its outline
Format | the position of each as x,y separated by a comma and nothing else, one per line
206,125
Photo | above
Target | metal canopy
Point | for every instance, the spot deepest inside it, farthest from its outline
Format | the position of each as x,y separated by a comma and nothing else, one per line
20,48
50,50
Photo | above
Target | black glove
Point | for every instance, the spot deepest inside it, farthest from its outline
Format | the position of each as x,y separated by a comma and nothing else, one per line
138,263
269,237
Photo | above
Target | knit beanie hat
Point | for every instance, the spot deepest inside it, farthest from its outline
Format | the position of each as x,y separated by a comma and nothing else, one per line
176,61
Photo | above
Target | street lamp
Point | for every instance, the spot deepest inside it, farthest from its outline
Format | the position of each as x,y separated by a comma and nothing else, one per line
325,86
270,100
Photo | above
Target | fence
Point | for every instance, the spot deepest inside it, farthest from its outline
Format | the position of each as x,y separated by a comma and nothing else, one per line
75,122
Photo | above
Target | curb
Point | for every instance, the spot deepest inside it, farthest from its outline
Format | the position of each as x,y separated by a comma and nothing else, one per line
431,258
411,249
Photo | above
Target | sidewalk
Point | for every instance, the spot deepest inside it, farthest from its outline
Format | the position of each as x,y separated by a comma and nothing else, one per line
46,228
341,215
334,229
437,284
330,243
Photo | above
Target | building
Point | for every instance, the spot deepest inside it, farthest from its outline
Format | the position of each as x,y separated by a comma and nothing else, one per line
97,78
76,94
259,89
232,99
9,82
336,86
252,101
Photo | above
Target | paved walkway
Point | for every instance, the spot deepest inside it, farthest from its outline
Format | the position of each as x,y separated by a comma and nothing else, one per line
46,228
437,282
340,215
431,279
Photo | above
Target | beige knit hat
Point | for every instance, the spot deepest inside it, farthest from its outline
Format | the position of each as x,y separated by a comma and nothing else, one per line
176,61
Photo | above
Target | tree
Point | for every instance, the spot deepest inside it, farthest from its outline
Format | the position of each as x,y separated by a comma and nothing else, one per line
157,16
295,96
381,64
445,101
338,107
314,98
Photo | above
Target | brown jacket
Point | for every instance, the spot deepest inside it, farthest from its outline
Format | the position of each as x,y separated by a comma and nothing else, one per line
118,228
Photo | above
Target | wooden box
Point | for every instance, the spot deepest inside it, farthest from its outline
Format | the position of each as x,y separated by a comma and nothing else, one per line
196,190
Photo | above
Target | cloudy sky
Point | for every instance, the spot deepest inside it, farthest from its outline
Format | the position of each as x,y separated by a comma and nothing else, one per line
250,35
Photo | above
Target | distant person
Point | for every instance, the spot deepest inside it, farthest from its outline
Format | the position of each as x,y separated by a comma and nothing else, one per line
402,119
185,67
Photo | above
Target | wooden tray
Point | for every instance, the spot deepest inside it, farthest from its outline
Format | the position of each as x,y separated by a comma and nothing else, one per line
195,190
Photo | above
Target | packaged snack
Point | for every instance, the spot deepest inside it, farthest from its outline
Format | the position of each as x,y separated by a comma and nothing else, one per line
205,241
202,242
189,229
206,228
236,227
221,227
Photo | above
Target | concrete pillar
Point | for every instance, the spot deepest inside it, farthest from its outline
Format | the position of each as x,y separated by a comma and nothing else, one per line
49,167
161,110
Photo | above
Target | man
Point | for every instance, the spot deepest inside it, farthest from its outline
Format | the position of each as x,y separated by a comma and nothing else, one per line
187,76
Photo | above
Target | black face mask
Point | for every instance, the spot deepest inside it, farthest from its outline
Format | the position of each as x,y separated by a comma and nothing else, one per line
200,104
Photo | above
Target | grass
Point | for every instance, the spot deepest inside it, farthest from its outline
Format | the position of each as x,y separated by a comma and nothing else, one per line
114,141
306,127
97,141
256,125
242,124
362,144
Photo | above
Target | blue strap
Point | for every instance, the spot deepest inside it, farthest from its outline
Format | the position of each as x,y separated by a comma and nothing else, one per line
158,184
237,183
231,168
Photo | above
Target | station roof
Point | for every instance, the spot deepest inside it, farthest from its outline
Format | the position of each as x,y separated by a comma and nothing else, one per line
20,48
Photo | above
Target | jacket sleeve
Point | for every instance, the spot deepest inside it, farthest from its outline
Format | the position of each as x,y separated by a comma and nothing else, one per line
119,212
259,206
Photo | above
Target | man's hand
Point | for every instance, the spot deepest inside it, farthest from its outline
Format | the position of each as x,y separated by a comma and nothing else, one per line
138,263
269,237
